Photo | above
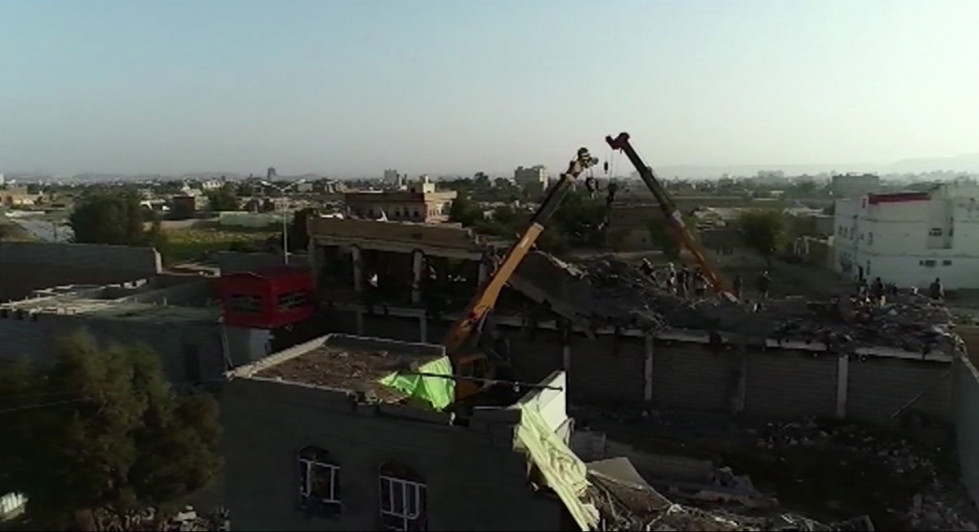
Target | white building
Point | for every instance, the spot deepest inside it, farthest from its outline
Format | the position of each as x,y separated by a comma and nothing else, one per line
535,175
911,238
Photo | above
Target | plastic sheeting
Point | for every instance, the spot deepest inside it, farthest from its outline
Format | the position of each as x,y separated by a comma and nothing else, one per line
435,390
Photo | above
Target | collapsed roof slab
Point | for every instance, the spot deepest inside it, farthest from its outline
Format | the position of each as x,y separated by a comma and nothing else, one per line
443,240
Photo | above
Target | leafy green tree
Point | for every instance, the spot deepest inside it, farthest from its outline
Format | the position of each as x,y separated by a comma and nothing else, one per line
765,231
581,219
223,199
102,432
108,218
464,211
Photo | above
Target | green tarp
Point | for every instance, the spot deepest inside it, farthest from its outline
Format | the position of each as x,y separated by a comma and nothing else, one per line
435,390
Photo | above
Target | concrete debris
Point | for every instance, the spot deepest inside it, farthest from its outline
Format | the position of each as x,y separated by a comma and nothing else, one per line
935,507
187,520
624,506
611,292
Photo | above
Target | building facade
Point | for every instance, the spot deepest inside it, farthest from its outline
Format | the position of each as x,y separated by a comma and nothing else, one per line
338,452
421,205
852,186
535,176
911,238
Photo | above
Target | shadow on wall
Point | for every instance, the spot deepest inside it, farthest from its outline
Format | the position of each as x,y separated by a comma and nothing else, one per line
966,401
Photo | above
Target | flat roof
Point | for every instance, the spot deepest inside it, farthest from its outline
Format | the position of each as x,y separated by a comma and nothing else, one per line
347,363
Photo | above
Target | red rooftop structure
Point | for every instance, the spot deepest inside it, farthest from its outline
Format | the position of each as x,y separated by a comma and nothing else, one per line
267,298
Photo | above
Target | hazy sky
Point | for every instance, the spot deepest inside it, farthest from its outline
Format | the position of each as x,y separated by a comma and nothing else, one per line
437,86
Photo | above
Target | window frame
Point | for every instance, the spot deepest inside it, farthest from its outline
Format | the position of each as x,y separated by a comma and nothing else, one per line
327,506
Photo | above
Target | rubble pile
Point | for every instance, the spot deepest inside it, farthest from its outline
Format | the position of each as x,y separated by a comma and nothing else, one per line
934,507
610,292
628,507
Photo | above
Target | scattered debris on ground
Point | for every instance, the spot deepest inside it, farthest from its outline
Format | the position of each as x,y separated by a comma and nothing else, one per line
610,292
186,520
936,502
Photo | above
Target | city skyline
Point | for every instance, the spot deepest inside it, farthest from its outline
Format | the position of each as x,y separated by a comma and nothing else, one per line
438,87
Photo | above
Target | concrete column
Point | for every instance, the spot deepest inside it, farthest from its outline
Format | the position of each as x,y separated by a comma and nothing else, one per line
423,327
314,255
484,269
741,399
417,264
355,254
360,322
647,392
842,383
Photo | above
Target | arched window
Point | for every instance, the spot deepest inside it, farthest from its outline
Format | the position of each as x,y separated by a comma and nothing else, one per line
403,501
319,482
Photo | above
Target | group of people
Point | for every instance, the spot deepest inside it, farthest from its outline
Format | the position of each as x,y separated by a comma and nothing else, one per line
689,281
877,291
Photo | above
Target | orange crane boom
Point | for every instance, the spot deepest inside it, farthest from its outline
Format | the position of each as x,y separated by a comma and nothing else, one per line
482,303
671,214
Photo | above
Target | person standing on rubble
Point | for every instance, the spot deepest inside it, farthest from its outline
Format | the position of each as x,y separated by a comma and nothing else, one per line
683,281
699,283
764,284
877,292
935,290
738,286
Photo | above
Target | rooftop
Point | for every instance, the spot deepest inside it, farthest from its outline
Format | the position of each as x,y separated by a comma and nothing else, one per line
138,300
385,371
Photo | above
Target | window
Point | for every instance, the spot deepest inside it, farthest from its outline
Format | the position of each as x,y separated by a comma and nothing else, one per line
929,263
402,498
319,482
245,303
935,231
946,263
870,238
291,301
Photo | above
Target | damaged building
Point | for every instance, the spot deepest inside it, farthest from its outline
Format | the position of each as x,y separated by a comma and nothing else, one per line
635,346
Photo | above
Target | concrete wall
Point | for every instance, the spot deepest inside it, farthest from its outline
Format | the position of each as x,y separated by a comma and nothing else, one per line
686,374
27,266
186,350
474,479
231,261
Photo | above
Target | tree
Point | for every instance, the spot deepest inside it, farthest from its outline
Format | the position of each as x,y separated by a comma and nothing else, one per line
102,434
223,199
113,219
764,231
464,211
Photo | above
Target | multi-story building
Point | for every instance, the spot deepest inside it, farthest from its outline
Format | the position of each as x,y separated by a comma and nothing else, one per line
355,433
419,202
911,238
852,185
533,176
393,179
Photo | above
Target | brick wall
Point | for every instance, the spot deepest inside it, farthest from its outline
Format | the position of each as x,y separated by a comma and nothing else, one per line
475,481
966,405
790,383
